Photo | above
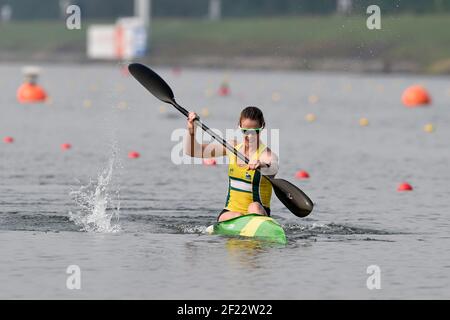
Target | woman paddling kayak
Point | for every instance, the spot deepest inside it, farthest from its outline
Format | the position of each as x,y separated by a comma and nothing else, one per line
248,192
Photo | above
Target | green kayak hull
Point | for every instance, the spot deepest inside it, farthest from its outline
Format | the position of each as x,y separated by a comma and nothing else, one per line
250,225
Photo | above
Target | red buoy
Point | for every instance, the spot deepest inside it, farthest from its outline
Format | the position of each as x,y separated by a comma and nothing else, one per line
209,162
404,187
224,90
66,146
133,155
302,174
176,71
8,139
415,96
124,71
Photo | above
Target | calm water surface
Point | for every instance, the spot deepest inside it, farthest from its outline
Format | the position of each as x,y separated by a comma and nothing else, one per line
135,226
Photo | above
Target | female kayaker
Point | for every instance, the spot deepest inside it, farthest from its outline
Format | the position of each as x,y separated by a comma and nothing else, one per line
248,192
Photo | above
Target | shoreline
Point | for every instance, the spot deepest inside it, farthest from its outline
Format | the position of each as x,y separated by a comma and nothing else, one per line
234,62
313,43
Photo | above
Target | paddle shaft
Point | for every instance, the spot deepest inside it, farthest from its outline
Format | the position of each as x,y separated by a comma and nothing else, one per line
212,134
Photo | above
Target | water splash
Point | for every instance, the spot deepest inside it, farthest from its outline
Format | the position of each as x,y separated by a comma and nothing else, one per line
98,212
194,229
333,229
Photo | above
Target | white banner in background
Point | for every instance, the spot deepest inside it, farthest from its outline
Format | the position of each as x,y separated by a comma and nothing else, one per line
125,40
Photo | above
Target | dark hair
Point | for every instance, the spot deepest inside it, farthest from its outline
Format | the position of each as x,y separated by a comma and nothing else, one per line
253,113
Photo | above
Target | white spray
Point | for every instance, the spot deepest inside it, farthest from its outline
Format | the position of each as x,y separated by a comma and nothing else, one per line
98,211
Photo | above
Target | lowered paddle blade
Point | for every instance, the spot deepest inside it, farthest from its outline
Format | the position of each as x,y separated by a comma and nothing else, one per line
152,82
292,197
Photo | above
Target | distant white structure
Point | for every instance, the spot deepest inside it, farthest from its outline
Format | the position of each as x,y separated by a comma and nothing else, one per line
134,37
125,40
215,9
31,73
344,6
5,13
142,10
101,42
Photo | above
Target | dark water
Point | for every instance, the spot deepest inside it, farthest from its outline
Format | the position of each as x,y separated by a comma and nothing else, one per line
141,221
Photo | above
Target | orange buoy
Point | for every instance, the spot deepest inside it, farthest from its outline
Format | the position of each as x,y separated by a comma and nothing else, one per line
404,187
302,174
224,90
415,96
209,162
8,139
133,155
30,91
66,146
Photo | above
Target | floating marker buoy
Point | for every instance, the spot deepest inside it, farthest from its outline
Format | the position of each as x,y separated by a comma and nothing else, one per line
124,71
8,139
30,91
162,109
404,187
66,146
310,117
176,71
363,122
313,99
133,155
302,174
224,90
209,162
205,112
428,128
276,97
415,96
87,103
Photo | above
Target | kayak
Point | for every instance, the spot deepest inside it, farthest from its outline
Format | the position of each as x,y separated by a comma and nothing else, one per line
250,225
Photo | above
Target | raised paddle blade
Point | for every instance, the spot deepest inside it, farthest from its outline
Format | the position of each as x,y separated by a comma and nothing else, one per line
152,82
292,197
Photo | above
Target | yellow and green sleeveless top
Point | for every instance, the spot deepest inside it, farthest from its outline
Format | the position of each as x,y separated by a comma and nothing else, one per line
246,186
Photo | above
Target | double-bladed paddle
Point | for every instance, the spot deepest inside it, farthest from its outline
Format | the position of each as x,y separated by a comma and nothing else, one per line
292,197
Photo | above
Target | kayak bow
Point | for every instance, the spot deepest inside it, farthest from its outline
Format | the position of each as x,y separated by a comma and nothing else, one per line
250,225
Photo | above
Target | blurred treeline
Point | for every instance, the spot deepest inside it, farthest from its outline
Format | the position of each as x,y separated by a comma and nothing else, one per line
109,9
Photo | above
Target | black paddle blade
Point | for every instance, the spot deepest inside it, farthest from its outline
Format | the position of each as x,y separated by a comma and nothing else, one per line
152,82
292,197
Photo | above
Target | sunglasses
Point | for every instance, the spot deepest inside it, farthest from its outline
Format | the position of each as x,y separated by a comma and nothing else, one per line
246,131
